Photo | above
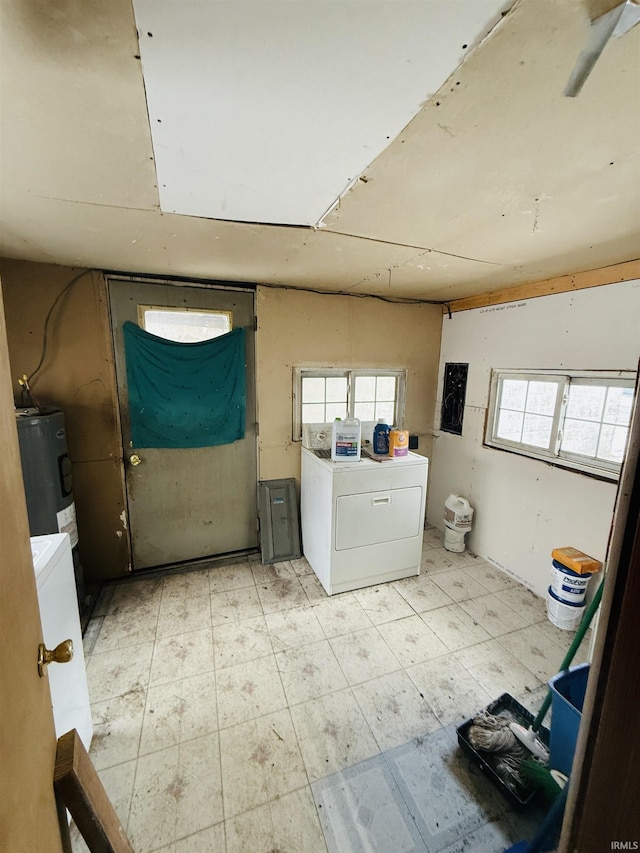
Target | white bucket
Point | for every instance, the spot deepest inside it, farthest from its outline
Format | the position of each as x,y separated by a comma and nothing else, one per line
568,586
454,539
458,513
564,616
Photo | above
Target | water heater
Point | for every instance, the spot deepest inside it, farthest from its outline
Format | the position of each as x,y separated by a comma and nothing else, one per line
46,471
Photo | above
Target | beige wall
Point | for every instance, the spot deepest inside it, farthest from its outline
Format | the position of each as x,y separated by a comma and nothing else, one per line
298,328
78,377
294,328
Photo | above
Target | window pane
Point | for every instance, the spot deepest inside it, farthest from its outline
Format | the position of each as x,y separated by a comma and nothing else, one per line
617,409
313,413
541,398
183,326
365,411
335,410
537,430
386,388
586,402
514,394
580,437
386,411
509,425
313,390
336,389
612,444
365,388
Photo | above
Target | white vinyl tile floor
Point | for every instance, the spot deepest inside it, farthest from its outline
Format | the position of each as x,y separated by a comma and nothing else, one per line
223,699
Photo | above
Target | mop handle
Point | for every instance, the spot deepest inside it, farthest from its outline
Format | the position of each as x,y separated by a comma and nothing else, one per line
573,648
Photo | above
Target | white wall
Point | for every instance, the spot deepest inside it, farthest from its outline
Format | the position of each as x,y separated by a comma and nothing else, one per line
524,507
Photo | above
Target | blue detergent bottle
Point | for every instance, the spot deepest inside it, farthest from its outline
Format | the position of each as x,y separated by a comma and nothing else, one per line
381,438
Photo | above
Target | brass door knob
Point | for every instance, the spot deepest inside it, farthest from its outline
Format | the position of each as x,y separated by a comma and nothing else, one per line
62,653
134,459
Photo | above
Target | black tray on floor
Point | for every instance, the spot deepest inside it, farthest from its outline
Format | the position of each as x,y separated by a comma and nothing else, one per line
506,705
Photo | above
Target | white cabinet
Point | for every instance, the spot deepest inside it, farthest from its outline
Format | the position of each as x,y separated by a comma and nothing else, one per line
55,580
362,522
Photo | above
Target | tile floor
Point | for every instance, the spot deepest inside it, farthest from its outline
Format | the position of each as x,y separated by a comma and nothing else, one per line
223,697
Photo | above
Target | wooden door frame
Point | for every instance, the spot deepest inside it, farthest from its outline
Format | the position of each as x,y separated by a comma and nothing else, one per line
205,284
602,807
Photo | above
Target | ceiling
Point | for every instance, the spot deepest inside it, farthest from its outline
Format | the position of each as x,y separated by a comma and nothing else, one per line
498,179
266,112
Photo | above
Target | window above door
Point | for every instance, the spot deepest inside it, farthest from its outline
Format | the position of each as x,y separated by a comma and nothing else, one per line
320,395
184,325
575,419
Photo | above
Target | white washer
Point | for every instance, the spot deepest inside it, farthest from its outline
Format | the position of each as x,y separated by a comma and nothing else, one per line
362,522
55,580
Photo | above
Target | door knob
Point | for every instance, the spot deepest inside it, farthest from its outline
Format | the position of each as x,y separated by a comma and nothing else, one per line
134,459
62,653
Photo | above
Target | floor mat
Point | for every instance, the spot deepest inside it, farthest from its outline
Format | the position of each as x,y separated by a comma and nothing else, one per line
423,797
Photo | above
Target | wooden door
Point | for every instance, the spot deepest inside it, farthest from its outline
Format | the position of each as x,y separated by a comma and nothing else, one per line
187,504
28,817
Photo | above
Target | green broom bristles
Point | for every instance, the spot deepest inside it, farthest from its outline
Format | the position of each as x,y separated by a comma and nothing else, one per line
540,777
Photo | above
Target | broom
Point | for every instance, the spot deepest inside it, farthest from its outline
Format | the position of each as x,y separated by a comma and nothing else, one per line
512,743
529,737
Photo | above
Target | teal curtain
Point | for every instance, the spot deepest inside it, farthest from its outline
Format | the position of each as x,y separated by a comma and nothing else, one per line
185,395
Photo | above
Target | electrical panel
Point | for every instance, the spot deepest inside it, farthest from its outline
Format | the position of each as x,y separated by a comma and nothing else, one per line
279,520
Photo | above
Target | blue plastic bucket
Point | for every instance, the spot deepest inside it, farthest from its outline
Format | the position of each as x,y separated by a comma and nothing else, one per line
567,698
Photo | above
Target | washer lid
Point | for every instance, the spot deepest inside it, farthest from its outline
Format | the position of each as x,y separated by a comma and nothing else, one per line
45,551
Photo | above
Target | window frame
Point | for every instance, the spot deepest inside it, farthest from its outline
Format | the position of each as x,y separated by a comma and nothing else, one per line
172,309
300,373
554,454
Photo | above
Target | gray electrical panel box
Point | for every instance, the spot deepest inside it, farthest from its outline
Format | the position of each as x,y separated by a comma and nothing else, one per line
279,524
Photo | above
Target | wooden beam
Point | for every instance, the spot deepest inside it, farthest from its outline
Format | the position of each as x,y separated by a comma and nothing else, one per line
78,785
563,284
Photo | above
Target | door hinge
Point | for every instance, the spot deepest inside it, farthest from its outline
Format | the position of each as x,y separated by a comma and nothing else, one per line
255,323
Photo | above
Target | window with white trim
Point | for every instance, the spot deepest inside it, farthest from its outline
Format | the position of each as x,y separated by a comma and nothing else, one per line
320,395
576,419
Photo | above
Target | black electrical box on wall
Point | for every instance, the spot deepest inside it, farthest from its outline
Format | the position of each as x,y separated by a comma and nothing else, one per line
453,396
279,523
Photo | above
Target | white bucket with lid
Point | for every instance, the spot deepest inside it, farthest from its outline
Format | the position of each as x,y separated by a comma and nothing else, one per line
565,616
568,586
454,540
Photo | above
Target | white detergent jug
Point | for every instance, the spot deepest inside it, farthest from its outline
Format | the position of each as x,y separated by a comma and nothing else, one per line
458,515
346,440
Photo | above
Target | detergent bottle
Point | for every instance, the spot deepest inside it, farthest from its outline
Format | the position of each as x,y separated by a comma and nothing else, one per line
381,438
346,440
398,443
458,517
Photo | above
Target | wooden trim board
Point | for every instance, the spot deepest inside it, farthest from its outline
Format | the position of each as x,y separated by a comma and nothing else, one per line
563,284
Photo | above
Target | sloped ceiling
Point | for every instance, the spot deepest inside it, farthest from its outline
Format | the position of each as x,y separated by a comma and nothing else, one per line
498,179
